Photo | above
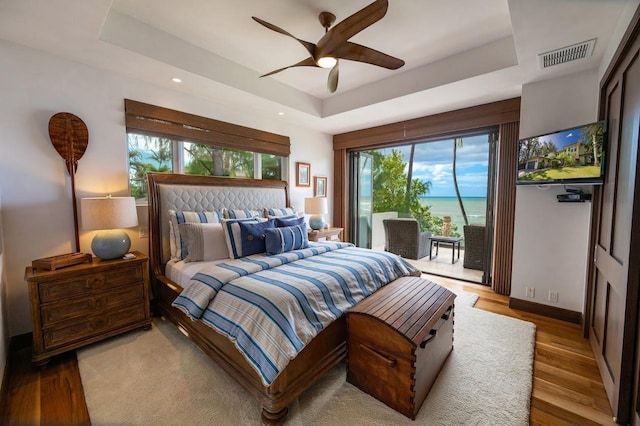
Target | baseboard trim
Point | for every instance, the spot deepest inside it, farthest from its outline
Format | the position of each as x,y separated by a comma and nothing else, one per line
546,310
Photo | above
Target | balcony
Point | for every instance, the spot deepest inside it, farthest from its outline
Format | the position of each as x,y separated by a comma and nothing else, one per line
440,265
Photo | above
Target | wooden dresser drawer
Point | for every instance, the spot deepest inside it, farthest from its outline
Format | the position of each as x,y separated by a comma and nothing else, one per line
79,285
78,329
83,306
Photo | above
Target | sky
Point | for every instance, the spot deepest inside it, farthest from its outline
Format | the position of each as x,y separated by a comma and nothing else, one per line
433,162
562,139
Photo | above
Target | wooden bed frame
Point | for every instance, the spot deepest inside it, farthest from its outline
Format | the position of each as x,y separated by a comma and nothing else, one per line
199,193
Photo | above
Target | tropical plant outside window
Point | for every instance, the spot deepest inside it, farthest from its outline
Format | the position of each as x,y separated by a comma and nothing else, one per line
157,154
213,161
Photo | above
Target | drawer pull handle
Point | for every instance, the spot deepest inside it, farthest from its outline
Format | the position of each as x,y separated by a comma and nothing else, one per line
390,362
94,283
432,333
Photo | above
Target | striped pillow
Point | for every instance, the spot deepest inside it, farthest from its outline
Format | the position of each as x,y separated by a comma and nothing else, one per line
240,239
204,241
178,248
287,238
279,212
242,214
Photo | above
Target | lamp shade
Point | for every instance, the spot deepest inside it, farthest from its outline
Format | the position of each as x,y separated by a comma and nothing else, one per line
109,215
316,207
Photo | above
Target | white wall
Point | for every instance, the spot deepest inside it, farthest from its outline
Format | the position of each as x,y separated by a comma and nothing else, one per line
37,207
551,238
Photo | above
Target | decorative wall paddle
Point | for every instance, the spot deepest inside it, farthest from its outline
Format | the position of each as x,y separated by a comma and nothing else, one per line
70,137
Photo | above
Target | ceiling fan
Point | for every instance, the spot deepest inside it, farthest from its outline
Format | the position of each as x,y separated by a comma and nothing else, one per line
334,45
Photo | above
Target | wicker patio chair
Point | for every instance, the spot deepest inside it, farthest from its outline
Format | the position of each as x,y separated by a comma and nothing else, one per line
474,246
403,237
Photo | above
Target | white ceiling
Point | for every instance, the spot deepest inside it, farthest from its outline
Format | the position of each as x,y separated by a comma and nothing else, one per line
458,53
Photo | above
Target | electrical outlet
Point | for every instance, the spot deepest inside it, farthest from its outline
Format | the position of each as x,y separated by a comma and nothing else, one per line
143,232
553,296
530,292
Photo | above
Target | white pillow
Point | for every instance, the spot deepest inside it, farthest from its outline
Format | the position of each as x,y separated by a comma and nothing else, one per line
204,241
178,249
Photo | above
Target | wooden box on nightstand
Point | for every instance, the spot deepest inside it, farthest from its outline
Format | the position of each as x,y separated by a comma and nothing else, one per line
82,304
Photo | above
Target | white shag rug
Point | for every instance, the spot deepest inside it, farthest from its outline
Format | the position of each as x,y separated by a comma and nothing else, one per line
159,377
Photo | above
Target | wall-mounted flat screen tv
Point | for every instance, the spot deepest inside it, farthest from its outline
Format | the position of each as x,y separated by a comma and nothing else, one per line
573,156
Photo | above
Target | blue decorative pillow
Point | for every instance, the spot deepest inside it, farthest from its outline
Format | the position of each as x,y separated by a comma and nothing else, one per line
286,238
231,229
289,221
253,236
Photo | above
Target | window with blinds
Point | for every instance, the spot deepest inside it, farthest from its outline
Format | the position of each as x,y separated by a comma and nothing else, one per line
164,140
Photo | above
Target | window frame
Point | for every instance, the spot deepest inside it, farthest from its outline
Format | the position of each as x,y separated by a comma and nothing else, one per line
180,127
172,124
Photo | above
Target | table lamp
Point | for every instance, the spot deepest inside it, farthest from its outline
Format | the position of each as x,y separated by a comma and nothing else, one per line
316,207
109,215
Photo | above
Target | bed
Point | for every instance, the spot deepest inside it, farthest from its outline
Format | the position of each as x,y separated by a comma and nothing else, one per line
275,391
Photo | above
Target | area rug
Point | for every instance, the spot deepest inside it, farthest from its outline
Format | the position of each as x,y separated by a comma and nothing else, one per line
159,377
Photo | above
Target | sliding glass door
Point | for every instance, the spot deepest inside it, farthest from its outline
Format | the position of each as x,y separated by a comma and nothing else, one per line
362,199
446,185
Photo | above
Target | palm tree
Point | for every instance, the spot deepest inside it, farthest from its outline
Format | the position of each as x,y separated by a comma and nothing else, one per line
407,202
589,137
458,142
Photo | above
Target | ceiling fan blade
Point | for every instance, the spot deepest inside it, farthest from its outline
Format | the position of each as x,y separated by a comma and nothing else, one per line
311,47
309,62
349,27
357,52
332,82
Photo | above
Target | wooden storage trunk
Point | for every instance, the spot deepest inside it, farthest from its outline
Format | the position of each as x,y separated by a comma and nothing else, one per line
398,340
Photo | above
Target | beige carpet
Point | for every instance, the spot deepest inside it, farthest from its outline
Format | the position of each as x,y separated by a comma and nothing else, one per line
159,377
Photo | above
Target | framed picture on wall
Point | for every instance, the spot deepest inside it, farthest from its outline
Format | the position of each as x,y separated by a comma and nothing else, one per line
303,174
319,186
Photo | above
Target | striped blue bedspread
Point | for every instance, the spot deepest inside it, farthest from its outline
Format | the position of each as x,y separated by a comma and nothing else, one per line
272,306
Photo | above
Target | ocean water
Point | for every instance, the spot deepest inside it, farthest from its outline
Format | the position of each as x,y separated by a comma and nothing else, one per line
449,206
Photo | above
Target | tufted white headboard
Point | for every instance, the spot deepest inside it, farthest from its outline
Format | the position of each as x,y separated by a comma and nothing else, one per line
202,193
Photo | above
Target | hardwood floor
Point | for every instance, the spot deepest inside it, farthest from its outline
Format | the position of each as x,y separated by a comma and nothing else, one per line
49,395
567,389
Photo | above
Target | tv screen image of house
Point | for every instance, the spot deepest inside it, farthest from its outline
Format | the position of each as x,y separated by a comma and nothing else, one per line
571,156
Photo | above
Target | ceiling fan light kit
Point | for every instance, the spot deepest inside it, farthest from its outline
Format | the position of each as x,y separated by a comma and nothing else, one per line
327,62
335,44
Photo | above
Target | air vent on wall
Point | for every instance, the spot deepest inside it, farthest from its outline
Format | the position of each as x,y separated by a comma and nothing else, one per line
566,54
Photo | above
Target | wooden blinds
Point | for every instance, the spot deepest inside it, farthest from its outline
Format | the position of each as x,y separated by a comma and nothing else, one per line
163,122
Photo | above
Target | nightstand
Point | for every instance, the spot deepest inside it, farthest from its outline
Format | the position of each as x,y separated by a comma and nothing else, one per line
82,304
328,234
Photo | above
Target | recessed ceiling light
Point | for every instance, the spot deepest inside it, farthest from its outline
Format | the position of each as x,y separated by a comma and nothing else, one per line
176,80
281,113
